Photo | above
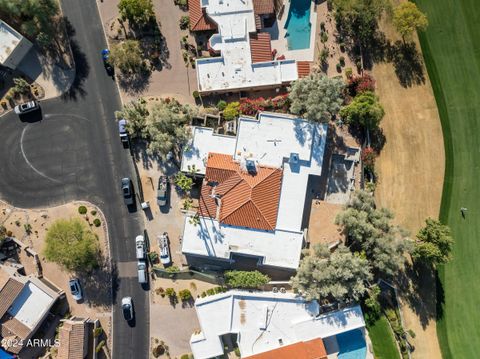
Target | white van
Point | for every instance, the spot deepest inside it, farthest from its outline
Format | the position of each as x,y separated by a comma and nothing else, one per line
142,272
140,247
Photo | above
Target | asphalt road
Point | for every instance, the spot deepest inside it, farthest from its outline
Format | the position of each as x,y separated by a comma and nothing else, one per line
71,151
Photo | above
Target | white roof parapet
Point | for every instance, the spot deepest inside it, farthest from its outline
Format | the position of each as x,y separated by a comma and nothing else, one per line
262,318
234,69
275,140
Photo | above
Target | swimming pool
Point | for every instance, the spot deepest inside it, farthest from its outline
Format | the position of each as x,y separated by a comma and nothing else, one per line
352,345
298,25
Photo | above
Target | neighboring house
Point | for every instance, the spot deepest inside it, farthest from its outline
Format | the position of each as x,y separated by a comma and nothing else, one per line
13,46
254,190
246,60
25,302
73,338
267,325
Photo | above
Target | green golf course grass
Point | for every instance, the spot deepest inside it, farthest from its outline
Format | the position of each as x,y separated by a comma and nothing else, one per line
451,49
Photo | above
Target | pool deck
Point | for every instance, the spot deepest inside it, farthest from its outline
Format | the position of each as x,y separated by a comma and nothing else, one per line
279,41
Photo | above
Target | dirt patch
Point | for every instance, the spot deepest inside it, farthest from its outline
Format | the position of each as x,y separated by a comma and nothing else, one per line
411,170
30,227
322,228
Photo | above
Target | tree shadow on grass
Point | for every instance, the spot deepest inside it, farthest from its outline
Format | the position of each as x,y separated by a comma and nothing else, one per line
421,290
408,63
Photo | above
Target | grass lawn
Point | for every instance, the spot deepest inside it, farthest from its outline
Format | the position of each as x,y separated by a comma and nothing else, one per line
383,342
451,47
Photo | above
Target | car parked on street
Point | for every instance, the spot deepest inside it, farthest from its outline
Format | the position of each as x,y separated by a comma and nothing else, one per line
142,272
162,191
76,289
127,190
140,247
163,243
127,308
26,107
122,129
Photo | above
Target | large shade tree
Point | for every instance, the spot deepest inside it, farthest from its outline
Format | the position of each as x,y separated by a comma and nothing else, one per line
137,12
364,110
434,243
407,18
72,245
316,97
339,276
370,230
127,56
358,19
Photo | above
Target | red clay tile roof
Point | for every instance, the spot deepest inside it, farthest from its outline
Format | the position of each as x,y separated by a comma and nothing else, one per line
8,294
261,47
313,349
72,340
303,68
199,20
263,7
245,200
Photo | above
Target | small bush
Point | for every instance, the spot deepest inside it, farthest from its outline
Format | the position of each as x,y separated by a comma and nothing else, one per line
348,72
97,222
203,295
185,295
100,346
172,269
245,279
158,350
231,111
28,228
170,292
342,60
221,105
93,212
237,352
82,210
184,22
324,37
153,257
17,223
97,331
411,333
185,356
196,94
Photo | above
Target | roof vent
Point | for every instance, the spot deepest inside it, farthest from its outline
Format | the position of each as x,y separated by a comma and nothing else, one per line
280,341
294,158
251,167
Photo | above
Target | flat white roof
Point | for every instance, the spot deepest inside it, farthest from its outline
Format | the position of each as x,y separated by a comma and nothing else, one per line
210,238
9,39
204,141
234,69
261,319
30,305
270,140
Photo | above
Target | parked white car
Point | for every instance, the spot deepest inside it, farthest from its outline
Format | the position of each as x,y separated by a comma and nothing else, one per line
26,107
163,243
76,289
142,272
140,247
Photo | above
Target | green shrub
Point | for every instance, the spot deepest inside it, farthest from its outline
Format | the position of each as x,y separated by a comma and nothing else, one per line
97,222
153,256
196,94
231,111
185,295
97,331
100,346
412,333
28,228
93,212
237,352
185,356
245,279
324,37
170,292
184,22
210,291
172,269
203,295
82,210
348,72
221,105
391,315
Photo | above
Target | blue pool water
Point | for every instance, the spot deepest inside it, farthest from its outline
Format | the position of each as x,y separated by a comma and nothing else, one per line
298,25
352,345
